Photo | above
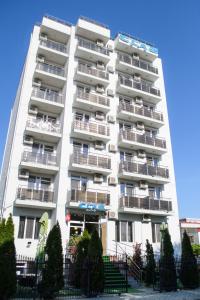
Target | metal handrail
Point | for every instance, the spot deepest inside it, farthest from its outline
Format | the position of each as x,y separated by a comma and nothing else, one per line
91,159
51,69
92,127
144,169
92,46
47,94
93,71
43,195
44,125
53,45
131,135
40,158
88,196
93,98
142,111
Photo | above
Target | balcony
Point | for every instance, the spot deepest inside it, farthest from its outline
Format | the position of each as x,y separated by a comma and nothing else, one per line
133,140
53,45
44,130
51,74
53,51
139,171
87,49
47,99
128,64
90,162
89,196
145,205
141,88
91,75
91,131
149,118
92,101
40,162
35,198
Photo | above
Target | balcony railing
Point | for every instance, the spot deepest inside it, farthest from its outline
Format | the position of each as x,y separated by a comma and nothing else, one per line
93,98
43,195
139,85
51,69
44,125
93,71
91,159
47,94
90,196
142,139
92,46
53,45
143,169
39,158
142,64
142,111
145,203
92,127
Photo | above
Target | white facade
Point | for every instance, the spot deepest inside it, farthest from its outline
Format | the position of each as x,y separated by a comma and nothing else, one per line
86,128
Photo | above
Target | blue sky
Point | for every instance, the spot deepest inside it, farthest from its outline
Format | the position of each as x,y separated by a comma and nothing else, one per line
173,26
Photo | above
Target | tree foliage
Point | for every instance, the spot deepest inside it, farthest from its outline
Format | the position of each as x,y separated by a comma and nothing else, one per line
150,265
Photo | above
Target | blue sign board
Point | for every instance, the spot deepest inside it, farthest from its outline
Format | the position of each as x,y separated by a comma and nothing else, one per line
92,206
135,43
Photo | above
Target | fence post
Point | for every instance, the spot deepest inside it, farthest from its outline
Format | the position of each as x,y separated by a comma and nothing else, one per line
36,280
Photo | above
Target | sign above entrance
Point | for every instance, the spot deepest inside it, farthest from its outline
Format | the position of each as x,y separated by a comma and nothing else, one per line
92,206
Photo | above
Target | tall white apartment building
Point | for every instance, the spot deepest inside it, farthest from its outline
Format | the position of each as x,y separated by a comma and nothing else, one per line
89,140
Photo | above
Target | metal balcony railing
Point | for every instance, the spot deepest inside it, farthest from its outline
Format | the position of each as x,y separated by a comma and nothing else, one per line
93,98
51,69
44,125
145,203
142,139
90,196
139,85
39,158
47,94
43,195
93,71
142,111
92,127
91,159
140,63
92,46
143,169
53,45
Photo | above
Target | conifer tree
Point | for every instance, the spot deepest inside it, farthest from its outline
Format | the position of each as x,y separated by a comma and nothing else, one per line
189,271
150,265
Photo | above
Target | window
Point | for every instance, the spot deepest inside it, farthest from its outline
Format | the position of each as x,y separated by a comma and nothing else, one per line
28,228
79,183
80,147
155,192
124,231
156,234
82,117
127,189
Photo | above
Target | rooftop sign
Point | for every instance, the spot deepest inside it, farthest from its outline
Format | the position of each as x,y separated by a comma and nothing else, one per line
137,44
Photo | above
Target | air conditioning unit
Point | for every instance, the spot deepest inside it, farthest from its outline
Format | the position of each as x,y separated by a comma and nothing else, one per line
100,88
33,110
28,140
143,185
99,115
141,153
40,58
99,43
137,77
99,145
146,219
140,125
110,69
112,148
100,65
23,174
37,82
110,93
43,36
138,100
98,178
111,119
112,180
136,55
112,215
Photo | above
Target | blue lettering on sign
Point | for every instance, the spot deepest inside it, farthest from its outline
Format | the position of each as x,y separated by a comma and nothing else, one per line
92,206
135,43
